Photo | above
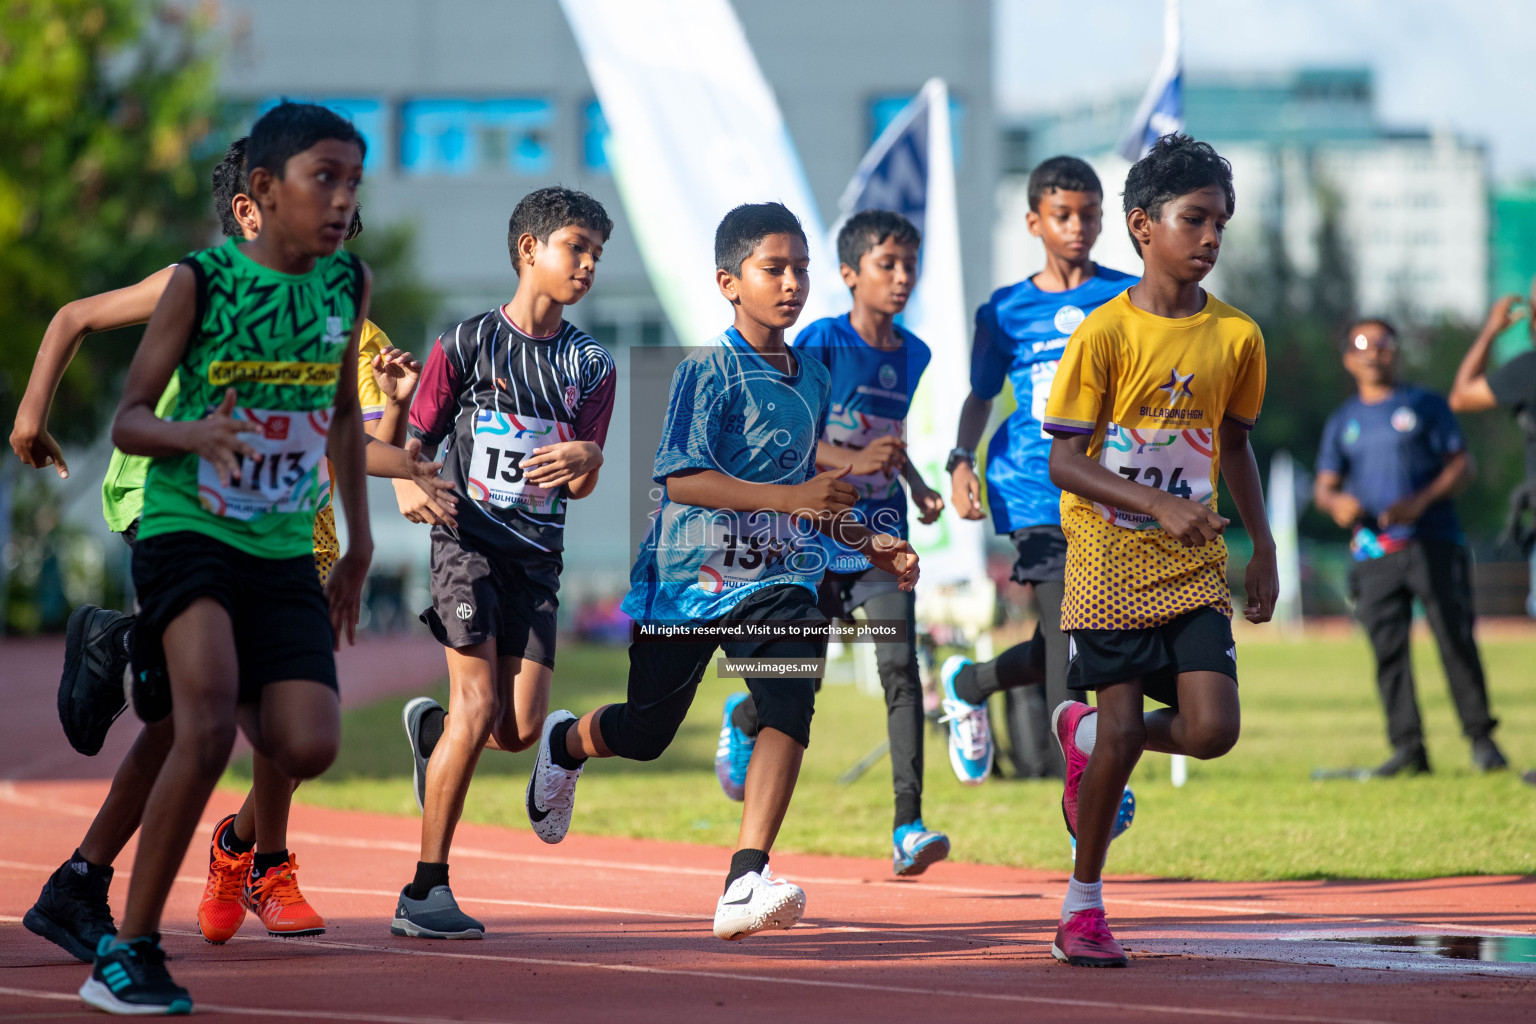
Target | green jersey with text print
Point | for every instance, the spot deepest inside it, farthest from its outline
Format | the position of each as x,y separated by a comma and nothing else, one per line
278,340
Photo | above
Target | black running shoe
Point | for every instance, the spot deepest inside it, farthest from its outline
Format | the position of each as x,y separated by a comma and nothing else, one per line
91,688
1408,760
72,910
130,978
1486,755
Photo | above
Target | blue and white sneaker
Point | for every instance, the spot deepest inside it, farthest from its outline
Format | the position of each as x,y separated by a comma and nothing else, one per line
734,752
1123,819
130,978
970,730
916,847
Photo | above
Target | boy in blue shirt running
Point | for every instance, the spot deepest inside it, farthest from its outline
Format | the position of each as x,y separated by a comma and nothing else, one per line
1020,335
732,561
875,366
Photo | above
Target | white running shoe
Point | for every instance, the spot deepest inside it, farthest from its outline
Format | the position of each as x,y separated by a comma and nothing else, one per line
757,901
970,730
551,793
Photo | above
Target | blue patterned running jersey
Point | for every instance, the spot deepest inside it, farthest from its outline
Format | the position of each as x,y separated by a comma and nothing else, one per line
1020,335
871,393
731,411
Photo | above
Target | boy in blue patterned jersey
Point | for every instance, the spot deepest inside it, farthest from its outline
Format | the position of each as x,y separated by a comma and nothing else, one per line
875,366
732,560
1020,334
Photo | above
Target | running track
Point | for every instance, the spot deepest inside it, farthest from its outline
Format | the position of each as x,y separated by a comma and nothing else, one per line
618,930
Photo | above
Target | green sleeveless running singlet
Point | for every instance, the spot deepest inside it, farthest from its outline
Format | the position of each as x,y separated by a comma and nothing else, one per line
278,340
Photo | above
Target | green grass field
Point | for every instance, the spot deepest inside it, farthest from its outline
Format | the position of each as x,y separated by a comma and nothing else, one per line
1255,814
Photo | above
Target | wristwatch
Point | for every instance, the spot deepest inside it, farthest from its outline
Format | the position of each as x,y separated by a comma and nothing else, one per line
959,455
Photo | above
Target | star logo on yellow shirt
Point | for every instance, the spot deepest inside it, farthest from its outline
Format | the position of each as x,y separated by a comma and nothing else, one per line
1178,384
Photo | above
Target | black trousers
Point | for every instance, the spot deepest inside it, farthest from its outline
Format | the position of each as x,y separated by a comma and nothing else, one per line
1034,752
1439,574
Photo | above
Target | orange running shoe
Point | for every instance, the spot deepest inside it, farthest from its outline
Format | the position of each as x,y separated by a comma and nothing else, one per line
221,911
275,898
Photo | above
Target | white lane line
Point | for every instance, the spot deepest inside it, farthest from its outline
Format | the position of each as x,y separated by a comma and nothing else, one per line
254,1011
738,977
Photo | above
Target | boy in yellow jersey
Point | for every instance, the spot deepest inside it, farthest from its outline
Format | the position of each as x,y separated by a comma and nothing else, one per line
1155,395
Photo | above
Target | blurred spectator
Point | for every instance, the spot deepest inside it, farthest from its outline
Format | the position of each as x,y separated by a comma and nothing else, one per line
1390,460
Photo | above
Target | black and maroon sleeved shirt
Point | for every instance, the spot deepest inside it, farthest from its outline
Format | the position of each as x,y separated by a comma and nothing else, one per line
495,394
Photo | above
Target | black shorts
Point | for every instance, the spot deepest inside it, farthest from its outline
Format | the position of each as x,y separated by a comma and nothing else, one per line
840,593
508,595
281,619
131,534
665,674
1042,554
1197,641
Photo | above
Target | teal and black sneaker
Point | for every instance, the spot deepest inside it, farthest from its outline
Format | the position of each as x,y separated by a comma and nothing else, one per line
734,752
916,847
130,978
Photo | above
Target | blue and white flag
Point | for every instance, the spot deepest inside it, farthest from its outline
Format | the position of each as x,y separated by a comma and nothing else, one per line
911,169
1162,108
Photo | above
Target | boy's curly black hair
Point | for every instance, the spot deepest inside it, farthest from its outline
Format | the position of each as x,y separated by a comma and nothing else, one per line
1176,166
546,210
869,228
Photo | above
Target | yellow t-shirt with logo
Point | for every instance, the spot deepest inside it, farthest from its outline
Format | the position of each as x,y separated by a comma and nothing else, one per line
327,545
1152,392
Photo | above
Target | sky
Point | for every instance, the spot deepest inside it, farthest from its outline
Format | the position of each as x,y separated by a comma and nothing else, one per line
1464,65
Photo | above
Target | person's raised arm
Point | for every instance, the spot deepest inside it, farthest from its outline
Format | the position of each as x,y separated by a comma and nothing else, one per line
136,430
1470,391
344,447
1192,523
431,416
395,374
1261,580
821,496
108,311
574,464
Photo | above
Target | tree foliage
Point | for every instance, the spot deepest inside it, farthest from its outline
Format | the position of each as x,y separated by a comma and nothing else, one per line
106,112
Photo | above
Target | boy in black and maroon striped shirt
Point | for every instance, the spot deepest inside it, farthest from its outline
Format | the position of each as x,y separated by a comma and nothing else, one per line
523,399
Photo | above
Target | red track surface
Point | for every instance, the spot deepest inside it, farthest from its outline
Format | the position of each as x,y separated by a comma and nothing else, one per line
618,930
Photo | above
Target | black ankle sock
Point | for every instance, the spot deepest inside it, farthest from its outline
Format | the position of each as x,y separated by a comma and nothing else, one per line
432,729
233,844
79,866
744,717
264,862
558,752
968,686
744,861
909,808
428,876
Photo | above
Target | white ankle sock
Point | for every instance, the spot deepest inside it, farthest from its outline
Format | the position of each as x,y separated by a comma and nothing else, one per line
1082,896
1087,733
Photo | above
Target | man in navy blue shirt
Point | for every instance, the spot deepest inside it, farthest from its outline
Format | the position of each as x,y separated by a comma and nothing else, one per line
1020,335
1390,461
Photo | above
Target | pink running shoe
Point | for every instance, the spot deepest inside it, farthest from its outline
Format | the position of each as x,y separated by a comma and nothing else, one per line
1084,941
1069,714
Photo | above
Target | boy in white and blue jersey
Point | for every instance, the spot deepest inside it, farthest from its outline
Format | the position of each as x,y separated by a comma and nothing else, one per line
732,561
1020,335
875,366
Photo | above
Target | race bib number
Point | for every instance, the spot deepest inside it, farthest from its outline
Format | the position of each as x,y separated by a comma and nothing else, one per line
1041,377
749,547
502,443
850,429
289,476
1176,461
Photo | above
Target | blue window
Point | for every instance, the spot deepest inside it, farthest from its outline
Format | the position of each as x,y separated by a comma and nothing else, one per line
371,117
883,110
594,138
464,137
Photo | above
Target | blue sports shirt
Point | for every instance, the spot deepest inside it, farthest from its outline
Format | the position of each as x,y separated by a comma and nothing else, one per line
1020,334
731,411
871,393
1391,450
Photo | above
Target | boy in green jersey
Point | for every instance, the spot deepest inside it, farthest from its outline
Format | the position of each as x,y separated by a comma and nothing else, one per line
262,339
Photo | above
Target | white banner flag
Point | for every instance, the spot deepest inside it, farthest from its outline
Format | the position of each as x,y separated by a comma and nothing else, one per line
694,130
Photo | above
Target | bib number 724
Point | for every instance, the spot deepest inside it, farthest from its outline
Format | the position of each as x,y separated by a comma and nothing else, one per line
1152,476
